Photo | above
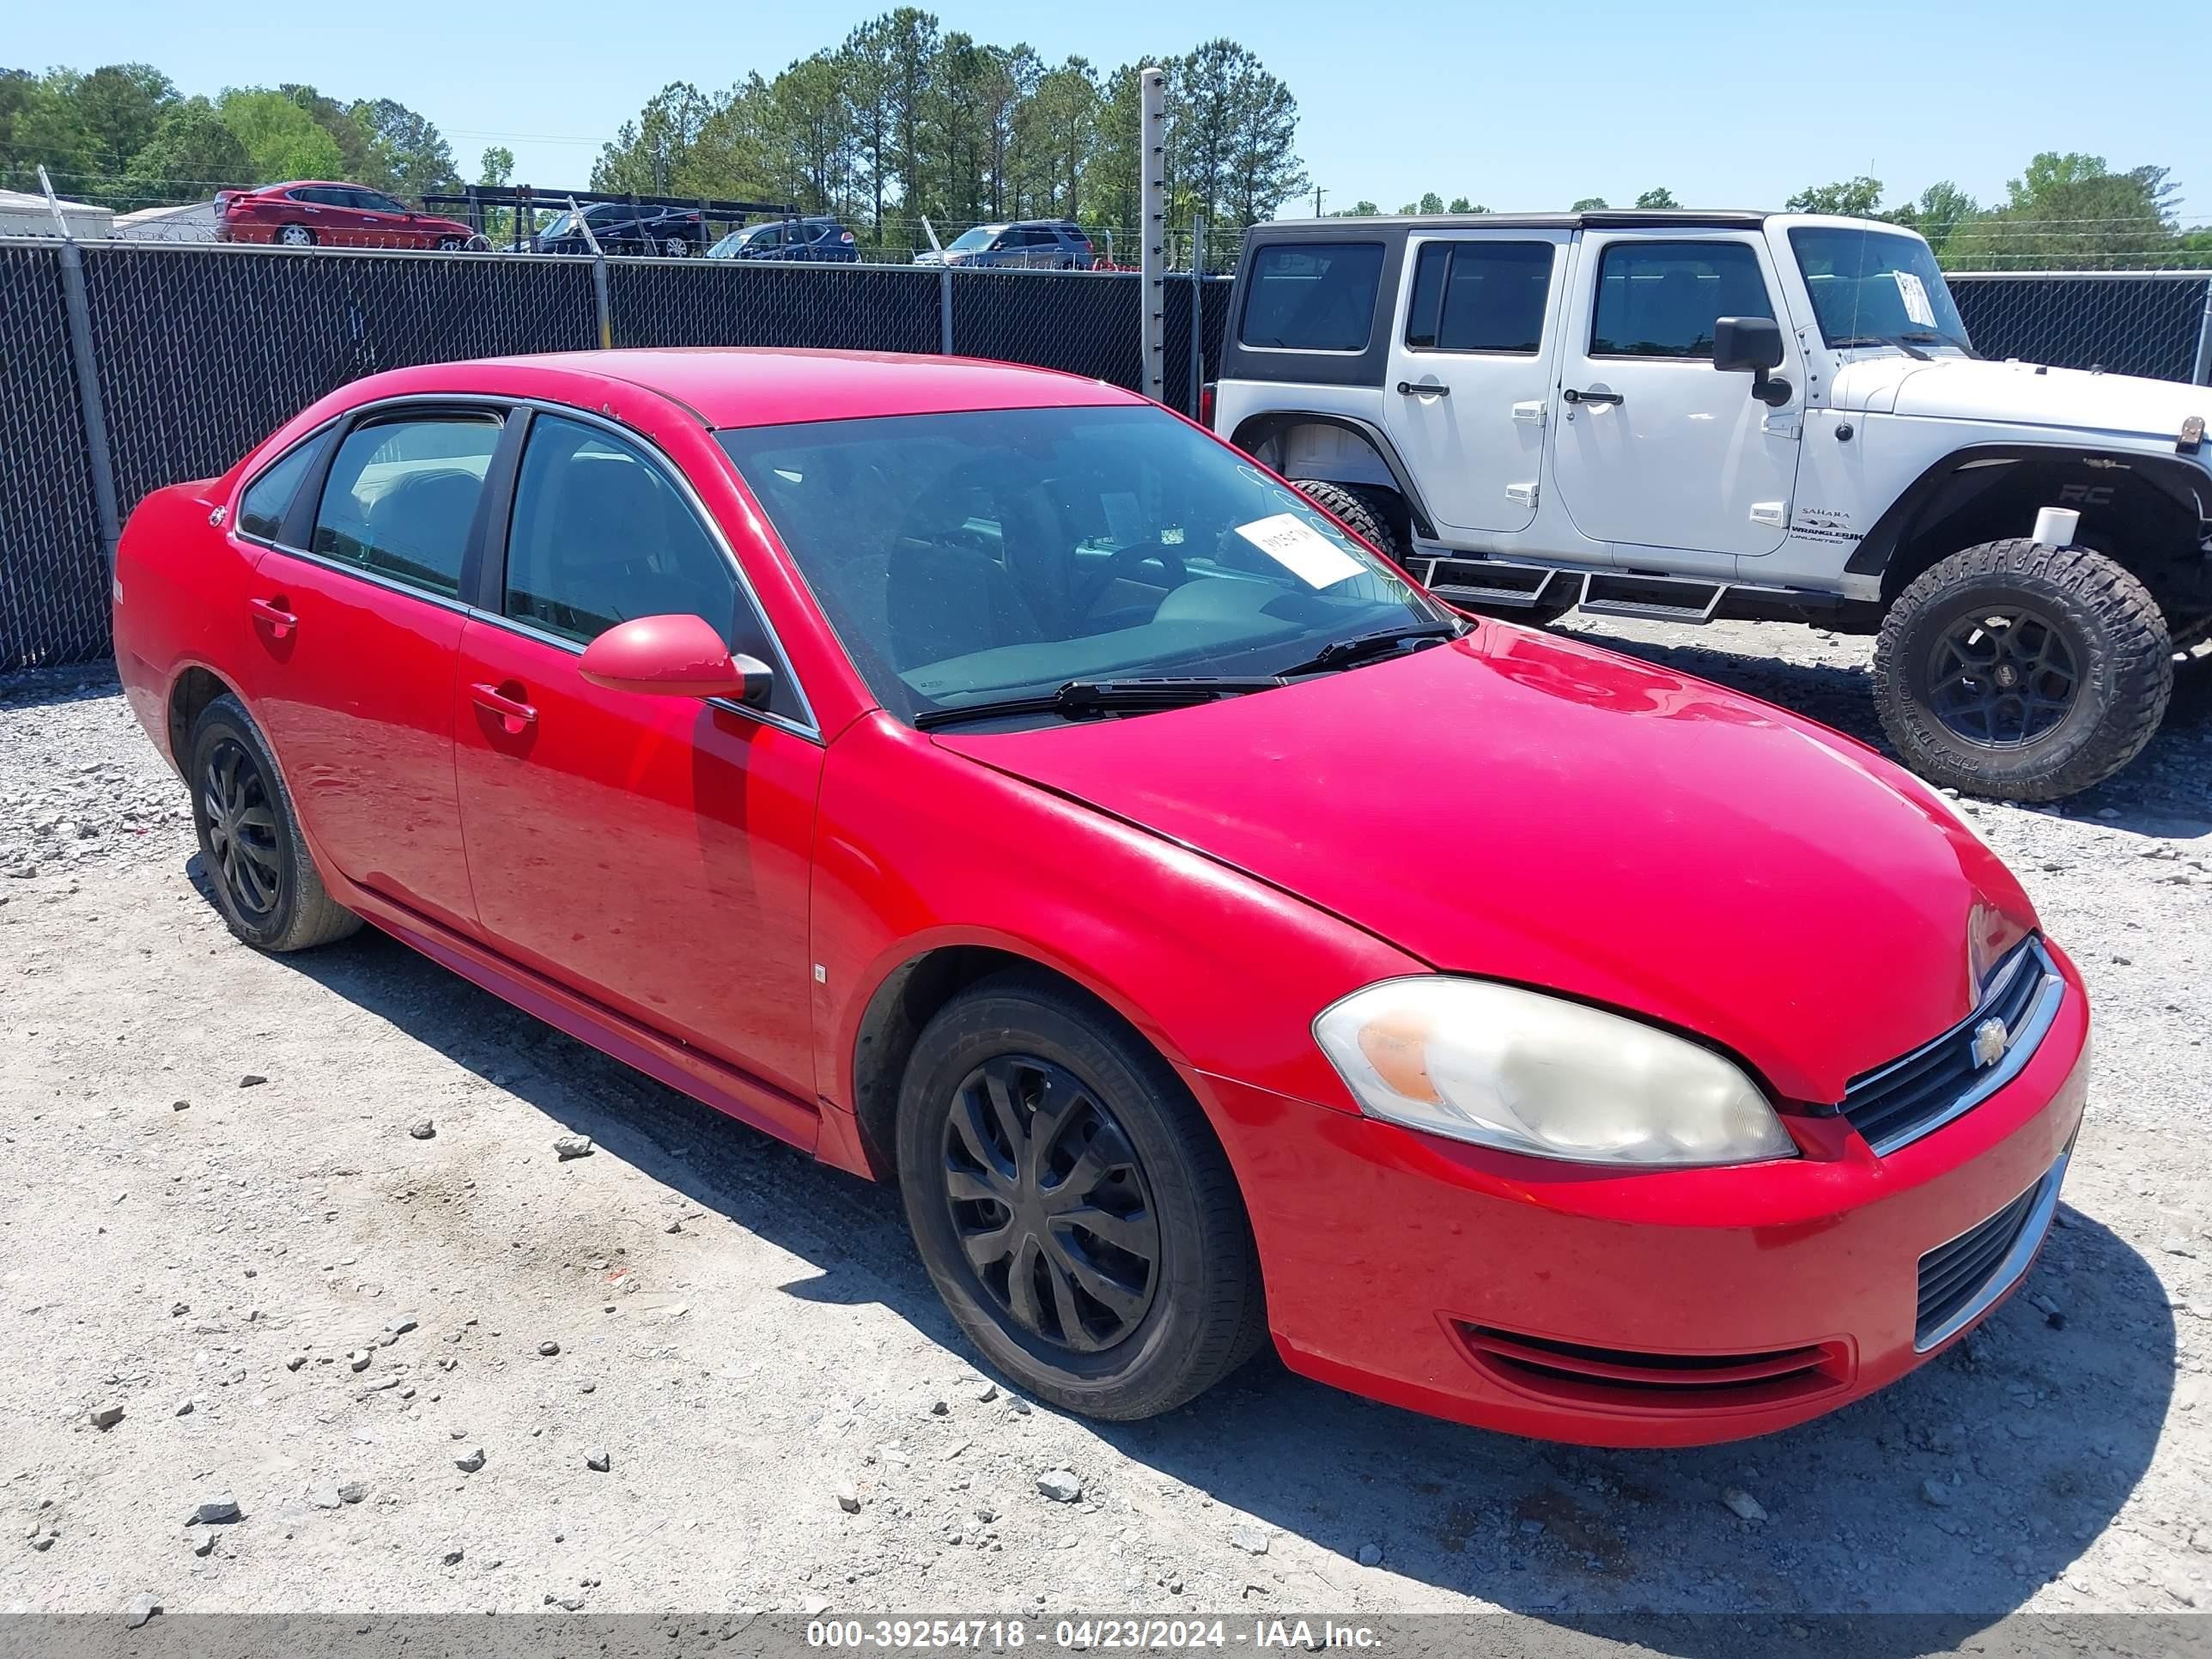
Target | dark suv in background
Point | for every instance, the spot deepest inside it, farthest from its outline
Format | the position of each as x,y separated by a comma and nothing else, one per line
673,232
1029,243
817,239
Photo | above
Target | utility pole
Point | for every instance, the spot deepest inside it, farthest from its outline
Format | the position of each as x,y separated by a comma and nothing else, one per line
1316,201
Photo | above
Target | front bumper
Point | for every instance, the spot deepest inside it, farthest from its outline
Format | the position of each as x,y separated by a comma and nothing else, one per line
1665,1308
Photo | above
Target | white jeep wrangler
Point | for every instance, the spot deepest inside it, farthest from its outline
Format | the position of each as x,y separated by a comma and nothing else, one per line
1686,415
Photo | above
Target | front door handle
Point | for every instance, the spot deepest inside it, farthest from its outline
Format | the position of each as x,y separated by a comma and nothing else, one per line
515,715
1574,397
271,615
1415,389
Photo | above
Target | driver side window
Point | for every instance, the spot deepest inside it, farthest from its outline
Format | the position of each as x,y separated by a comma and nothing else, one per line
600,535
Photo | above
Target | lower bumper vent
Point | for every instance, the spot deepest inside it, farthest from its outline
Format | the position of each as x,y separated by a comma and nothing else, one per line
1622,1378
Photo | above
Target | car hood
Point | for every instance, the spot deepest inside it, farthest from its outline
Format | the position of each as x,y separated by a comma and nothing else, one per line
2021,394
1528,807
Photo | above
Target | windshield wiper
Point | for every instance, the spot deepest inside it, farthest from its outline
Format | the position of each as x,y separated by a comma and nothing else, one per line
1107,696
1346,653
1901,342
1936,337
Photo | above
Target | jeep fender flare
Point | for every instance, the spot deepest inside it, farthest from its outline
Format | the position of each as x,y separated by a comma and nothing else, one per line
1960,476
1261,428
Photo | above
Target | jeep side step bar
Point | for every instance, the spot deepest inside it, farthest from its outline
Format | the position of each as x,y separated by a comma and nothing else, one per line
1507,582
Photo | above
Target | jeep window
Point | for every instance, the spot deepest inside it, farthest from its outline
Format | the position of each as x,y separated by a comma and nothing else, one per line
1874,288
1479,296
1660,298
1312,297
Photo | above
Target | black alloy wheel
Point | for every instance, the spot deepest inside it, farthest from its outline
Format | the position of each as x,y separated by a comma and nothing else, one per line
242,829
2004,678
1050,1204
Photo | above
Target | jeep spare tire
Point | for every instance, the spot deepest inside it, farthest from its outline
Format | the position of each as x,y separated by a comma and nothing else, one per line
2022,671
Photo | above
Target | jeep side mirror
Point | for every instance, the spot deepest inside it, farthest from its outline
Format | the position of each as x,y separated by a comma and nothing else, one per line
1751,344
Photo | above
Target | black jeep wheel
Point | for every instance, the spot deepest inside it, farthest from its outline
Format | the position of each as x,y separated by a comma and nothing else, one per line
1071,1204
264,877
2023,672
1359,514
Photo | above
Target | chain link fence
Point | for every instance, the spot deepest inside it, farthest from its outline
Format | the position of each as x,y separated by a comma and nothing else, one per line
201,350
2153,322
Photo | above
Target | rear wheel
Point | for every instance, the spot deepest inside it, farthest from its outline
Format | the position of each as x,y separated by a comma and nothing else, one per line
1358,514
2023,672
264,879
675,247
1071,1204
295,236
450,244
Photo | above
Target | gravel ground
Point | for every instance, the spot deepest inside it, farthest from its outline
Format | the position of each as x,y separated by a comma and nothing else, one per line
402,1359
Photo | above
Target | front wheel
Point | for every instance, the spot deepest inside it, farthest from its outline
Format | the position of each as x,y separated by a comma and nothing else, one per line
2023,672
1071,1205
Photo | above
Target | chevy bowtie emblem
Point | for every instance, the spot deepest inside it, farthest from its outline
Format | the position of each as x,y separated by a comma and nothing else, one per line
1990,1040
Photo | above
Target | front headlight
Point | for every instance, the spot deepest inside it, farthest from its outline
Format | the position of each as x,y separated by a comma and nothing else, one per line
1525,1072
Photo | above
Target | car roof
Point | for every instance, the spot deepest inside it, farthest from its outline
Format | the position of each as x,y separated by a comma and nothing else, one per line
1591,219
748,385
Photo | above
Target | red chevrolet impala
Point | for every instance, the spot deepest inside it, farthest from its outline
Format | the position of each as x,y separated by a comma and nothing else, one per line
989,780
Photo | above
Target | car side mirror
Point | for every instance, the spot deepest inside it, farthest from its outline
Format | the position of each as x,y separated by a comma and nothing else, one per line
674,656
1751,344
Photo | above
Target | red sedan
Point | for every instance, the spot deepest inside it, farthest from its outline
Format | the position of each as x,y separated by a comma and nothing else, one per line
311,213
986,779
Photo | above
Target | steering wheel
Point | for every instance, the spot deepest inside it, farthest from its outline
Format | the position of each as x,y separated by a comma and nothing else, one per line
1125,559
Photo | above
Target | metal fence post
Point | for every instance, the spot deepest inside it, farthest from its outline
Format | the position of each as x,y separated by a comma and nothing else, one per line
1197,316
1153,92
2204,375
944,310
90,408
598,281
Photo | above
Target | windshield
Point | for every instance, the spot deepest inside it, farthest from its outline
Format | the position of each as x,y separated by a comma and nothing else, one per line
968,240
560,225
1873,287
977,557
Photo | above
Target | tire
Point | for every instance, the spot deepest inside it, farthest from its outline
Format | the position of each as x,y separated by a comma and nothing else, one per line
2076,661
1187,1314
450,245
1357,513
675,247
250,839
295,236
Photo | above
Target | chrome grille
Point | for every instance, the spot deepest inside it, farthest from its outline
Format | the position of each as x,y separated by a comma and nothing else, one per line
1897,1104
1961,1280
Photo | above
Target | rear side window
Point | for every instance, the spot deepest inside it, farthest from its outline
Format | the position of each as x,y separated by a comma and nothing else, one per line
1660,298
402,496
1312,297
261,510
1480,297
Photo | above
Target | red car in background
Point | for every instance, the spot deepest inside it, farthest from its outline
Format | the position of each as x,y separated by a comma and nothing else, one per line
986,778
315,213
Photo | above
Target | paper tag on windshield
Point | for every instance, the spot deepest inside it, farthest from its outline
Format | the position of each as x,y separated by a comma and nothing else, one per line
1915,295
1300,549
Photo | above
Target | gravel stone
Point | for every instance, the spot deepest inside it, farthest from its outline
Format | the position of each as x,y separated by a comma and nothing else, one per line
106,1417
567,1146
595,1458
218,1512
138,1609
469,1460
423,1129
1743,1504
849,1497
1061,1486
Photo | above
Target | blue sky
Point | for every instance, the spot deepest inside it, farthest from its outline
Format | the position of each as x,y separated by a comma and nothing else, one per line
1519,106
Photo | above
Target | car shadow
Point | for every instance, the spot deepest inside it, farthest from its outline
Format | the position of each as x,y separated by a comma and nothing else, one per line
1958,1491
2162,793
48,687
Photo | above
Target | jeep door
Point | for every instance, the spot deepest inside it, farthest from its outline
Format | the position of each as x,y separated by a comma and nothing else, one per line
1470,370
1651,447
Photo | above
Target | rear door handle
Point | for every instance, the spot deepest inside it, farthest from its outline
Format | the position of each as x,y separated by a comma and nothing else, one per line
1415,389
272,616
514,714
1574,397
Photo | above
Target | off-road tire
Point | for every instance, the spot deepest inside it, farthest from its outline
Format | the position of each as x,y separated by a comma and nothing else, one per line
1206,1317
1357,513
303,915
2117,637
